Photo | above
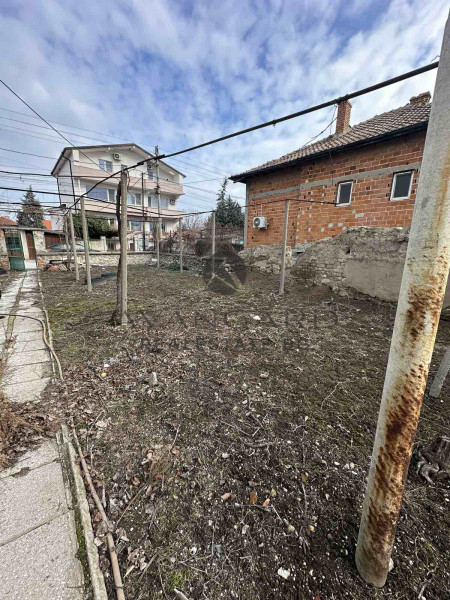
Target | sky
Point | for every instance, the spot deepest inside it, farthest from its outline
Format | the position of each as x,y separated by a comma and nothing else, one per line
179,73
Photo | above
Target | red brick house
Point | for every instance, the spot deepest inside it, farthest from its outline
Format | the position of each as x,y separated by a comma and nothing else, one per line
367,173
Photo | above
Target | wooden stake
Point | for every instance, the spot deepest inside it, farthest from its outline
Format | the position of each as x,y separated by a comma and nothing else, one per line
123,250
87,261
74,249
181,242
213,243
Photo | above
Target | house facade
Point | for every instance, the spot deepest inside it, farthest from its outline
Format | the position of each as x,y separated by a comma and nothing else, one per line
77,170
364,175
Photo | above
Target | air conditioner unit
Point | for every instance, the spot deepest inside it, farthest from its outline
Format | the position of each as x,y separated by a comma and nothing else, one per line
116,156
259,222
172,201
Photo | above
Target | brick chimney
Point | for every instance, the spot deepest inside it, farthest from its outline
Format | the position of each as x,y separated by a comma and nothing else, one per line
423,98
343,116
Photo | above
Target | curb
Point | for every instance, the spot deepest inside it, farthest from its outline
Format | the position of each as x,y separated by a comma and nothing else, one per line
82,515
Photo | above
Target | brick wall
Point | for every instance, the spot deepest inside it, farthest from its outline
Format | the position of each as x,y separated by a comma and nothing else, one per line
371,167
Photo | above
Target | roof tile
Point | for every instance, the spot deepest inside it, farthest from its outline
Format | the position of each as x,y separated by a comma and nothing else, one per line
411,115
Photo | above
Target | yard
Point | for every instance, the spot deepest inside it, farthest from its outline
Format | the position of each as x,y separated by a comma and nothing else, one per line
240,472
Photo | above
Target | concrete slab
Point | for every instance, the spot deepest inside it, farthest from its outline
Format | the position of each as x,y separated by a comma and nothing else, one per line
22,325
26,392
42,564
28,373
26,336
27,357
30,345
33,459
31,500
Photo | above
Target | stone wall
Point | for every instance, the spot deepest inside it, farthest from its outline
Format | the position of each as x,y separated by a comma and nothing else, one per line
266,258
368,260
111,259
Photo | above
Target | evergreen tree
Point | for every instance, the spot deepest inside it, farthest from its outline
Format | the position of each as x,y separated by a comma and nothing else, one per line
31,213
228,211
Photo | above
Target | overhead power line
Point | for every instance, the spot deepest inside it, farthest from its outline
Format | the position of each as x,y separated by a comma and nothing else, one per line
311,109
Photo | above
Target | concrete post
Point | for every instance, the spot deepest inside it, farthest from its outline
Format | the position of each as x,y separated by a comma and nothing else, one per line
158,226
74,249
418,311
213,243
444,368
123,250
180,227
87,261
283,249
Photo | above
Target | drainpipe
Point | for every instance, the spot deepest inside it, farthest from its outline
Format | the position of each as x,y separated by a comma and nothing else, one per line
418,311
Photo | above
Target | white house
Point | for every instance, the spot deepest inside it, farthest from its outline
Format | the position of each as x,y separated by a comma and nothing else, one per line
78,169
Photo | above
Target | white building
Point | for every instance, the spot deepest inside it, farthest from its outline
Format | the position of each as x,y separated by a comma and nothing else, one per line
78,169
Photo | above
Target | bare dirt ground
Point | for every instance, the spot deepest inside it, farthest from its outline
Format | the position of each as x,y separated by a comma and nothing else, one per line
246,462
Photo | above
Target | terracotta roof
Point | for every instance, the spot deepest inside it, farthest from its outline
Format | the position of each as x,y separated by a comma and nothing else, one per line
413,116
5,221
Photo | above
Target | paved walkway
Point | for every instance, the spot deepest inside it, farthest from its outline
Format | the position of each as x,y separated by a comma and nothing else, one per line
37,528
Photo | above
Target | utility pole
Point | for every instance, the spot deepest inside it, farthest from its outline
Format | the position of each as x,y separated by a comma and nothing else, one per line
123,250
180,228
74,249
418,312
144,220
87,260
158,195
283,249
213,243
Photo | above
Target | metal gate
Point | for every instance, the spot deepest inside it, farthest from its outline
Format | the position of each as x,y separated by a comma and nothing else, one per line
15,250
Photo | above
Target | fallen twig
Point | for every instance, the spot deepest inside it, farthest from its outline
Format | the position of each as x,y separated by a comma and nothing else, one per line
180,594
111,547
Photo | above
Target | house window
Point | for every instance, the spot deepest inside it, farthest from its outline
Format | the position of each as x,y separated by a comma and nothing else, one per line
97,193
105,165
344,193
135,225
164,203
111,222
163,225
152,175
134,199
112,195
401,185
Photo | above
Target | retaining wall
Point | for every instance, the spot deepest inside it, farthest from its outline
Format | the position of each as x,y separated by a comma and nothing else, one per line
369,260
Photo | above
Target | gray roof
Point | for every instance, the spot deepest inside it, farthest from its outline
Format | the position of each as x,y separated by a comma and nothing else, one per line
412,117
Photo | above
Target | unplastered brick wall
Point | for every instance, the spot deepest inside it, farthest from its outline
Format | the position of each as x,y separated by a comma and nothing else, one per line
371,169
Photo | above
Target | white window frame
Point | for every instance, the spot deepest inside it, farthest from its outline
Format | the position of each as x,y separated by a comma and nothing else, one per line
104,168
350,181
411,171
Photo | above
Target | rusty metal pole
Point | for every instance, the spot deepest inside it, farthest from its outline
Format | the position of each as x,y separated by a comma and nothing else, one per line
283,249
123,249
418,311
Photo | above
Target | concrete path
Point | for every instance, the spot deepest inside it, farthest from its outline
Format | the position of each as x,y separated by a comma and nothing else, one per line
38,542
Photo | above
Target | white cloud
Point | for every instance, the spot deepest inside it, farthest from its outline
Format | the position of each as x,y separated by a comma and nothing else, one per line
176,74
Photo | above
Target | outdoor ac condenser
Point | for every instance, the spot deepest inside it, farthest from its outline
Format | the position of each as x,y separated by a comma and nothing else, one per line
259,222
